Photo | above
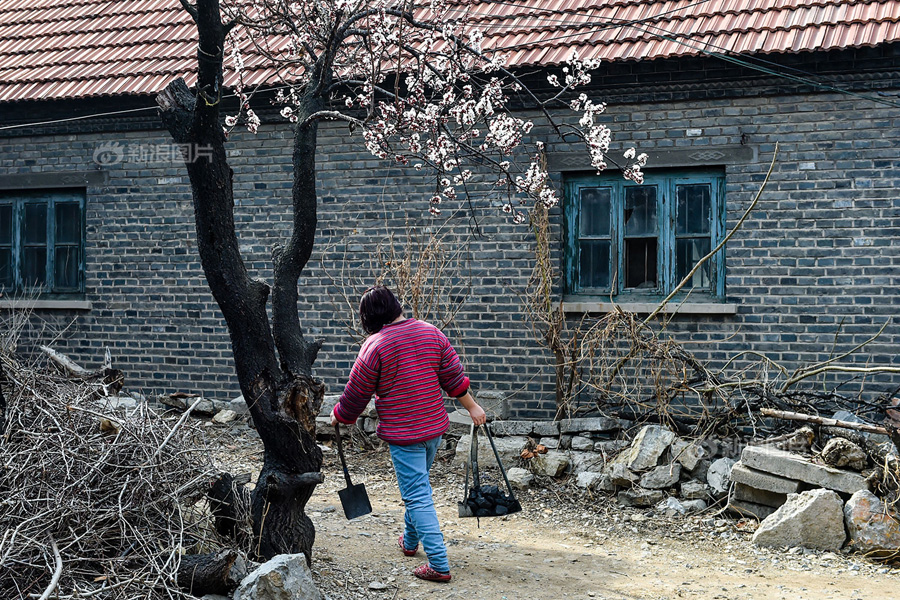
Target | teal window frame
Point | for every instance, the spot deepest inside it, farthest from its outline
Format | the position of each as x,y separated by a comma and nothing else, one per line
585,190
60,239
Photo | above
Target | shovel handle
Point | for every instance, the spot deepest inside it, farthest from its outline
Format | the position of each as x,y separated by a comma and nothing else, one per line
337,436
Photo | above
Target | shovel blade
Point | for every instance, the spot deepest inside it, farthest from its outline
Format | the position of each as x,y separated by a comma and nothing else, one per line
355,501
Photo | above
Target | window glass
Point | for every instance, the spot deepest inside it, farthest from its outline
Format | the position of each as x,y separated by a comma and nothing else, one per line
594,264
693,209
6,269
6,224
641,263
594,211
34,266
68,223
35,224
66,267
687,253
640,210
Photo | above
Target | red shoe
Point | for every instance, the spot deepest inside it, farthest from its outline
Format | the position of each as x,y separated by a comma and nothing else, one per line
405,551
428,574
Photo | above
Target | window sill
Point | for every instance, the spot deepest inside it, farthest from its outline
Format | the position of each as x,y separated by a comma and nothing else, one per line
46,304
588,305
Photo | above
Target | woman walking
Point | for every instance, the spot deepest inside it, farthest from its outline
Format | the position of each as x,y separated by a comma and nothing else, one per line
406,363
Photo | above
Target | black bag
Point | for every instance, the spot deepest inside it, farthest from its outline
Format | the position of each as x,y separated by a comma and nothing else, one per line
488,500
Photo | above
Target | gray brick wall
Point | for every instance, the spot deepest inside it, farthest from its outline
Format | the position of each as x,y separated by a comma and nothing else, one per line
818,257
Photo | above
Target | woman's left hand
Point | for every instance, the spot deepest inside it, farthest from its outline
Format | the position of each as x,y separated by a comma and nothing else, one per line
477,414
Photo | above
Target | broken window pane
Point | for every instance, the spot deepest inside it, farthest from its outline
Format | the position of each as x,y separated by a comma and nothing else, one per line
595,212
66,267
68,223
640,263
34,266
640,210
693,215
35,224
687,253
594,267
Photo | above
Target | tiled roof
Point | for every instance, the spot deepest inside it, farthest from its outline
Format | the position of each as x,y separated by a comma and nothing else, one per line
79,48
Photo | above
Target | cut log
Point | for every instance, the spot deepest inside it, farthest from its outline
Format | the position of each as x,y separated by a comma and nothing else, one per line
795,416
201,574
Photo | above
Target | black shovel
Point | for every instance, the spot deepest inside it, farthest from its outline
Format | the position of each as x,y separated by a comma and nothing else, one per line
354,498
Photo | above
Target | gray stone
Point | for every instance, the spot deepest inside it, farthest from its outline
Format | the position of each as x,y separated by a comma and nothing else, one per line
543,428
749,509
506,428
620,475
550,442
175,402
841,453
610,447
747,493
238,405
661,477
701,470
590,425
871,525
694,506
565,442
640,497
495,404
285,577
646,448
377,585
586,461
551,464
324,428
671,507
509,449
123,403
719,475
695,490
328,404
792,466
605,484
203,408
588,479
687,454
520,478
368,424
740,473
582,443
371,412
214,597
813,519
224,416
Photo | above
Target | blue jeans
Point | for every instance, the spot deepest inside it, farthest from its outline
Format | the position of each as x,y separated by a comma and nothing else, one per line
412,464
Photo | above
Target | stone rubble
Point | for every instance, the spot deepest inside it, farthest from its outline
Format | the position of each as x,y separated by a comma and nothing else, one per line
812,519
871,525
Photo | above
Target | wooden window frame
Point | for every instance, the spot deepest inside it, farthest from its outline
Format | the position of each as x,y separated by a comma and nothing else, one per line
666,182
18,199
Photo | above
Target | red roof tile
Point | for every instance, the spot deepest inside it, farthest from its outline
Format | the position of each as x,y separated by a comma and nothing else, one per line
78,48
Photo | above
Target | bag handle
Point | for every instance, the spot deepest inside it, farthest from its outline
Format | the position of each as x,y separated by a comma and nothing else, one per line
490,438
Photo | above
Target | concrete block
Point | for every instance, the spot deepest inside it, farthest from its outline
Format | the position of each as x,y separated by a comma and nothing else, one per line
793,466
507,428
543,428
746,493
760,480
749,509
813,519
590,425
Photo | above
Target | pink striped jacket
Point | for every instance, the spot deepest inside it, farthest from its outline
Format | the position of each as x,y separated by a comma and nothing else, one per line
406,365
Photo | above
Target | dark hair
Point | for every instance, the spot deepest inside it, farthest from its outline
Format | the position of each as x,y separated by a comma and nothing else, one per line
378,307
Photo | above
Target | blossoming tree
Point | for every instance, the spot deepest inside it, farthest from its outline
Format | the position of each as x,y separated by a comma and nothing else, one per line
413,80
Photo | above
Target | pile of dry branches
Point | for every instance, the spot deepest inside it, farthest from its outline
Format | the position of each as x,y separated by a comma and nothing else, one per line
95,502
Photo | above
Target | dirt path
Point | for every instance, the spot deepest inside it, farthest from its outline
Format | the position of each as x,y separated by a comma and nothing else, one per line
565,546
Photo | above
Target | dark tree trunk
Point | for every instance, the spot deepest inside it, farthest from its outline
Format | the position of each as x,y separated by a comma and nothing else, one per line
201,574
279,388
